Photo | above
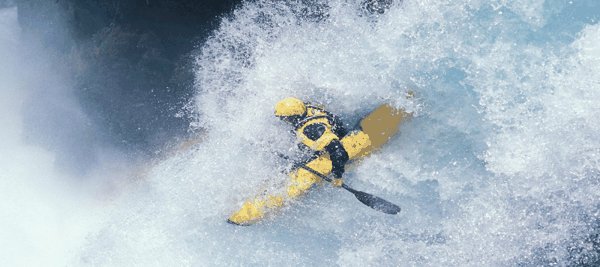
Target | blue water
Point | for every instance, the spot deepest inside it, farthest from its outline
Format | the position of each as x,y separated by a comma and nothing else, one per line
499,166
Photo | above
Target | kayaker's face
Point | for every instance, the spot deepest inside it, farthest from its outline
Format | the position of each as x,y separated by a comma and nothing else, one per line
291,119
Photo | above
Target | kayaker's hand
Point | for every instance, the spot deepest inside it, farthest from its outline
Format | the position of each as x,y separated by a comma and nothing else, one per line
337,182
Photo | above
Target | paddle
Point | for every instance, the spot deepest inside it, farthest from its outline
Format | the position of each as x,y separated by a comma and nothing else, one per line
376,203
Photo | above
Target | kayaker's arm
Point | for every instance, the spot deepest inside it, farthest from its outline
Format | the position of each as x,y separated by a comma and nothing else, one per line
339,157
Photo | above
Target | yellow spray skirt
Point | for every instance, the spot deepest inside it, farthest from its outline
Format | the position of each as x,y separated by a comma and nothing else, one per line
375,130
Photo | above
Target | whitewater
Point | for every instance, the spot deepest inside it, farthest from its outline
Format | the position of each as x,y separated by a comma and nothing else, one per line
499,166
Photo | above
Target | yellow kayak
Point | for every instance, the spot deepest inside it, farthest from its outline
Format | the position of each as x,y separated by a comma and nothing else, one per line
373,131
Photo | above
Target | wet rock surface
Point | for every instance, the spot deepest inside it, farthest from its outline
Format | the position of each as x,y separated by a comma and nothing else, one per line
129,61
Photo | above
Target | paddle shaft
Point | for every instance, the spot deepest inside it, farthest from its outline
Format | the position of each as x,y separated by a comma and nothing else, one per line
373,202
326,178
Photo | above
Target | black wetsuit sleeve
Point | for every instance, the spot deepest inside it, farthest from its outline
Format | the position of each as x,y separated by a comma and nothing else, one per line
339,157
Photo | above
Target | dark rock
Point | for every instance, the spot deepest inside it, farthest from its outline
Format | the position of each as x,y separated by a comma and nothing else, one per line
129,60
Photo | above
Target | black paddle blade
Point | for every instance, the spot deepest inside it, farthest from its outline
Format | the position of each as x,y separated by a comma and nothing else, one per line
376,203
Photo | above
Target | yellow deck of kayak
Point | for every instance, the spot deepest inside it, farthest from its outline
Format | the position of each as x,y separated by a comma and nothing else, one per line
375,130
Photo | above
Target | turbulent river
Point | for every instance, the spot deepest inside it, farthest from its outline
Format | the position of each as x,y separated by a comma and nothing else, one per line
500,165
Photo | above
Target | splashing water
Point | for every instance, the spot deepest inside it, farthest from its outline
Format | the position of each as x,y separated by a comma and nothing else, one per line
499,166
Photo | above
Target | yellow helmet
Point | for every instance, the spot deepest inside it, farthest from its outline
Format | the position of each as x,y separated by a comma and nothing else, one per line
290,107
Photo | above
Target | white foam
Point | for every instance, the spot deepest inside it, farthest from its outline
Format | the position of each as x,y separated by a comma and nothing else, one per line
499,167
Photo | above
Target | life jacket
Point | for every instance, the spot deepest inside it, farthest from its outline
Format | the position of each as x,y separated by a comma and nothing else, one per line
316,129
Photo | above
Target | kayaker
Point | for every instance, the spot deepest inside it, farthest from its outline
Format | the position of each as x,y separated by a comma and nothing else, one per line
317,130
